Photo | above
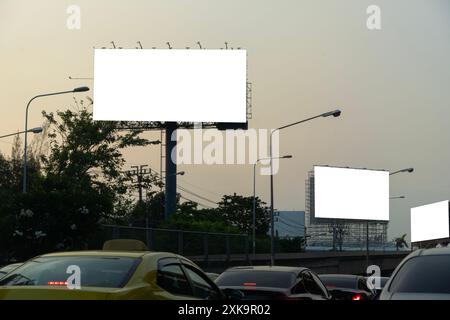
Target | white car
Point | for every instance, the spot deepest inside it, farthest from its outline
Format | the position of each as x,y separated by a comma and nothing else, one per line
422,275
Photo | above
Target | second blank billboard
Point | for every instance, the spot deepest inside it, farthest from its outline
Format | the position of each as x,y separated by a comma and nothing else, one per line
170,85
430,222
346,193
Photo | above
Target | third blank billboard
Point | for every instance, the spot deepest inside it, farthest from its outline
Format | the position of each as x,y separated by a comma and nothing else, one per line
170,85
347,193
430,222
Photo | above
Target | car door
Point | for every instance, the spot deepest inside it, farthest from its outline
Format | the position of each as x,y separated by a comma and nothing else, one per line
202,286
172,278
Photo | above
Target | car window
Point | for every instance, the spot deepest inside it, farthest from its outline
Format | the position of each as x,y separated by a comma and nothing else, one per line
171,278
311,285
107,272
425,274
202,287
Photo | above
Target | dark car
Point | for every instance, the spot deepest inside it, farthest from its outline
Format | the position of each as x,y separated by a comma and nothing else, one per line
347,287
274,283
423,275
378,284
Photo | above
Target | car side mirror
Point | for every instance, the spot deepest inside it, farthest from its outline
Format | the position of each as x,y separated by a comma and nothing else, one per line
233,294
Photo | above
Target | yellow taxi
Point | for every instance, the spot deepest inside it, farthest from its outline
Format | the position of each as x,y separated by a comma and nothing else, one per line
122,270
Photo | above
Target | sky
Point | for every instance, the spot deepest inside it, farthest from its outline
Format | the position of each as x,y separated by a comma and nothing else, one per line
304,58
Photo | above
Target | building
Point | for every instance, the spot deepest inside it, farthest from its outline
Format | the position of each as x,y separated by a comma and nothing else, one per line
340,234
289,224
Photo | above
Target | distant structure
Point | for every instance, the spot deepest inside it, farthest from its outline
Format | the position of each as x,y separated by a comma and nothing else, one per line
340,234
289,224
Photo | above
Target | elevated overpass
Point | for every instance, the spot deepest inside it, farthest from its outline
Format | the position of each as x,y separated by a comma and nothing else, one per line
348,262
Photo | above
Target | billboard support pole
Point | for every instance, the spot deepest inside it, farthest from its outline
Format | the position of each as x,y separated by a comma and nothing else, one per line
170,199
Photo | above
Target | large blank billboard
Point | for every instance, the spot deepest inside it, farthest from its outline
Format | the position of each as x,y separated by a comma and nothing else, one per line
345,193
170,85
430,222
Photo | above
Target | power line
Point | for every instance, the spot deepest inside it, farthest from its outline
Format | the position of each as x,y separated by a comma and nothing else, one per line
195,186
188,191
199,203
195,194
203,189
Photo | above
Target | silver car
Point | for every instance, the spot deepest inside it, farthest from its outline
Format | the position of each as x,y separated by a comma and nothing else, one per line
422,275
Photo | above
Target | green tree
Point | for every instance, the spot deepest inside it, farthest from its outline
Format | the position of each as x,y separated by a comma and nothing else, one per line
238,211
81,185
400,242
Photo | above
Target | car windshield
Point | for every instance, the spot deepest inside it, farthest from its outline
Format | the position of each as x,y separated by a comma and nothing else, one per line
424,274
108,272
251,278
339,282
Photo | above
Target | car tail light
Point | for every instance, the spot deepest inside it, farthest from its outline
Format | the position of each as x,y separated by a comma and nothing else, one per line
250,284
57,283
357,297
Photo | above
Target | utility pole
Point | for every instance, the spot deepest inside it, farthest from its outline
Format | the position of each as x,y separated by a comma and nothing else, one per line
139,172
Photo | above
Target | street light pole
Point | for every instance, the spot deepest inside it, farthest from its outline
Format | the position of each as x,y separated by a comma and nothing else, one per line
398,197
254,200
406,170
334,113
33,130
79,89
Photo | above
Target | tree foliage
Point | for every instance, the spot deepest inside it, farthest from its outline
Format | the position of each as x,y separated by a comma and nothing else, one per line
73,187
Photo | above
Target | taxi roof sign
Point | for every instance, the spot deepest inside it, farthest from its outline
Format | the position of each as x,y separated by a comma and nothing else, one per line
124,245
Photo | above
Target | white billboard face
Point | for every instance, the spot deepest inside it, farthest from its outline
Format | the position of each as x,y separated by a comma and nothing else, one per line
430,221
170,85
341,193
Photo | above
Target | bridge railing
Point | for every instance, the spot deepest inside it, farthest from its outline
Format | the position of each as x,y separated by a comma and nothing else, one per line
187,243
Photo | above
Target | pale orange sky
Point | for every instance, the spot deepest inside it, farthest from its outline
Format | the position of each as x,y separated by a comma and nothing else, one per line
305,57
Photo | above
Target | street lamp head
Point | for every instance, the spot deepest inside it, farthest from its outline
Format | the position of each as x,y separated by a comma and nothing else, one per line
410,170
335,113
289,156
181,173
81,89
36,130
